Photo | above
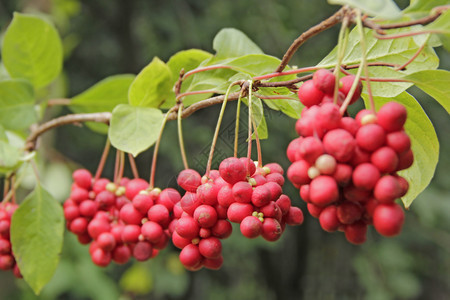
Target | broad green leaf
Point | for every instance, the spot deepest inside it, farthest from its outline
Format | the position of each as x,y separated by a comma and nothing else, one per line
291,108
32,49
37,229
137,280
101,97
134,129
396,51
16,104
187,60
263,132
436,83
424,144
254,64
442,24
421,7
386,9
3,136
152,85
230,42
9,157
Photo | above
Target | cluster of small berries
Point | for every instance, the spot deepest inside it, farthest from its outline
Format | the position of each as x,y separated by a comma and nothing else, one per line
238,192
346,168
119,221
7,260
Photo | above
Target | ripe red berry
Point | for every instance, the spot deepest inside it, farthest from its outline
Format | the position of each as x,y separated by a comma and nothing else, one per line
88,208
142,251
298,173
78,194
370,137
343,174
160,214
323,190
189,202
106,241
392,116
134,186
242,192
222,229
205,215
365,176
178,241
387,189
271,230
187,227
121,254
79,225
388,219
349,212
346,83
131,233
152,231
329,116
324,80
207,193
251,227
328,219
294,216
213,263
405,160
292,149
169,197
97,226
82,178
5,246
190,256
233,170
272,210
274,168
100,185
70,213
210,247
314,210
249,165
349,124
238,211
284,203
261,196
385,159
142,202
340,144
101,257
309,94
105,199
275,178
356,233
310,149
130,215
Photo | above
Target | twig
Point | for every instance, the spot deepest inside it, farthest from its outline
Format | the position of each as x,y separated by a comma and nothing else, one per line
322,26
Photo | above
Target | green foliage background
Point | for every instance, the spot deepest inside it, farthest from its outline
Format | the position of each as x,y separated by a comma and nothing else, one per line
103,38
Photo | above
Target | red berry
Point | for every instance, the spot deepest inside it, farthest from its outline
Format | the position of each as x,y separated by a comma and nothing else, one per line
399,141
187,227
130,215
340,144
387,189
261,195
405,160
97,226
105,199
298,173
207,193
169,197
210,247
134,186
189,202
309,94
349,212
385,159
178,241
251,227
88,208
242,192
292,149
365,176
329,116
101,257
160,214
274,168
238,211
392,116
323,190
225,196
142,251
324,80
349,124
78,194
131,233
271,230
346,83
82,178
314,210
70,213
356,233
343,174
205,215
272,210
100,185
328,219
310,149
370,137
152,231
388,219
352,193
79,225
121,254
106,241
222,229
142,202
249,164
295,216
284,203
233,170
190,256
213,263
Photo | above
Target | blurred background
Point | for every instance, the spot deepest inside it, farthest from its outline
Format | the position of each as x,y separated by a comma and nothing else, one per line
103,38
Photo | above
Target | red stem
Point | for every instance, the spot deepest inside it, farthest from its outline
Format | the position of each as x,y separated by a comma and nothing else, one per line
102,162
203,69
290,72
133,166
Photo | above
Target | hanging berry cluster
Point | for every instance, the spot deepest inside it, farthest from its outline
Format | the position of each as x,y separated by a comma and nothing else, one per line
7,260
346,168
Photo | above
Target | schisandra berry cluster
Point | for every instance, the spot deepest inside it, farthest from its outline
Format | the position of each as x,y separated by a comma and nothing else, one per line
238,192
345,168
119,221
7,260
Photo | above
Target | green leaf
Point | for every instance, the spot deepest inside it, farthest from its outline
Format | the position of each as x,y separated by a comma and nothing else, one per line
254,64
422,7
3,136
396,51
32,49
16,104
442,24
291,108
386,9
187,60
134,129
152,85
101,97
424,144
230,42
37,229
435,83
9,157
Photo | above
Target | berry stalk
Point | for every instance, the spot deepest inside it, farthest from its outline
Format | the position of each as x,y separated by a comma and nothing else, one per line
180,136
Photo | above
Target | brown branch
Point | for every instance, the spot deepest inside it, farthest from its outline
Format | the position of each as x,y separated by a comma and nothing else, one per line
30,143
322,26
58,101
422,21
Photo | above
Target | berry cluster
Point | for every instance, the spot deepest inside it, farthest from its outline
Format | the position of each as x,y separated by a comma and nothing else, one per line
346,168
7,260
119,220
238,192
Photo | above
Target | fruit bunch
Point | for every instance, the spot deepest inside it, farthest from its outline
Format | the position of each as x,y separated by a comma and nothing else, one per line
346,168
7,260
119,221
238,192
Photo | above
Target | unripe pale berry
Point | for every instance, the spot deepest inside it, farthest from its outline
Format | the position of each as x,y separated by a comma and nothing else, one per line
326,164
